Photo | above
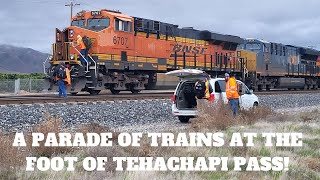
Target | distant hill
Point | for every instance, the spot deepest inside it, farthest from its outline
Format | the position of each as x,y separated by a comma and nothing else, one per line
20,60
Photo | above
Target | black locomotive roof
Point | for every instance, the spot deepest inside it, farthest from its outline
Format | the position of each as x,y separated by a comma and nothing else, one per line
307,51
207,35
147,25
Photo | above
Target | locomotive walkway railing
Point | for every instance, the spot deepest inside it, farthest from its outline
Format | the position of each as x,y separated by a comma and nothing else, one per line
243,68
95,65
44,64
94,62
87,68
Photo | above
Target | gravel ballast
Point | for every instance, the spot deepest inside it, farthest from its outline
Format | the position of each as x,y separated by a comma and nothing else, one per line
124,113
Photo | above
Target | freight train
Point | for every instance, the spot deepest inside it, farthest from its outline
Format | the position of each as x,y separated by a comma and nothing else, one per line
127,53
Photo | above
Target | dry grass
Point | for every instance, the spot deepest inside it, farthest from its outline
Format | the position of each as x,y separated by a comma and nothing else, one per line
96,128
304,162
305,117
313,163
51,125
9,156
217,117
220,116
309,116
253,115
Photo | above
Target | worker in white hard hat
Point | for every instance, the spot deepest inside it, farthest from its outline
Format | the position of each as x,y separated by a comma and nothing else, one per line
83,50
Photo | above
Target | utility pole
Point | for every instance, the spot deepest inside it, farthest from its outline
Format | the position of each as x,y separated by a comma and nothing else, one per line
72,4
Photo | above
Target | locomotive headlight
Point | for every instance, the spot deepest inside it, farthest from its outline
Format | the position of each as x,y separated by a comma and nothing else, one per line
71,33
72,57
58,36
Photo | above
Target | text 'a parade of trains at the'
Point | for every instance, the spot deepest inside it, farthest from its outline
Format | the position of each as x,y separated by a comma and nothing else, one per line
128,52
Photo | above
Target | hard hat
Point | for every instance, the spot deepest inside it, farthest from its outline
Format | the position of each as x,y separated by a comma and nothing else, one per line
226,75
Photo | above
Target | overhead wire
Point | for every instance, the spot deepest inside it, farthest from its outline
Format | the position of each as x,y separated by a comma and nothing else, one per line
39,1
90,5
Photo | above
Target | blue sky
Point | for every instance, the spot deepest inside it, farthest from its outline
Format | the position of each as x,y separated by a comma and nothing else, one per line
31,23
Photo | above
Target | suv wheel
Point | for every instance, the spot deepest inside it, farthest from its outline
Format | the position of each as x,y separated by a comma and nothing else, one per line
184,119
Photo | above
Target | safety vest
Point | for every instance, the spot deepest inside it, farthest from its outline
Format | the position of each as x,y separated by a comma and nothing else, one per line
207,93
232,89
82,45
67,79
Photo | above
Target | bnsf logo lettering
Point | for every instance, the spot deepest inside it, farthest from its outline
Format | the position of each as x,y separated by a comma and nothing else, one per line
188,49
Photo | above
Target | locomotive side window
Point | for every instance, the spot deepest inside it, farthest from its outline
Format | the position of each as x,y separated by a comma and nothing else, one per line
79,23
120,25
98,24
241,46
139,23
254,46
156,25
265,48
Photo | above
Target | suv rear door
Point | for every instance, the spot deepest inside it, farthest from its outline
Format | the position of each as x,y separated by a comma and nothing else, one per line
246,95
188,74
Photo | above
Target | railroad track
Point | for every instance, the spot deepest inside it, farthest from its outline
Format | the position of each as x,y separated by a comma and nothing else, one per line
52,98
31,99
279,92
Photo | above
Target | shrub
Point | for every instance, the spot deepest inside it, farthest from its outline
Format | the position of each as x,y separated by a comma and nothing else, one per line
51,125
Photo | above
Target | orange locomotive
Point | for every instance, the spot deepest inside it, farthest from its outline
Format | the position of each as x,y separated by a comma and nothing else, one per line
128,52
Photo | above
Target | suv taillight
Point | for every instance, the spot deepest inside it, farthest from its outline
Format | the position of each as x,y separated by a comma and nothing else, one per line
211,98
173,98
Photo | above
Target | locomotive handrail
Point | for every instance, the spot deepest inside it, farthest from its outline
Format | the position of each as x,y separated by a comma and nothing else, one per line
44,64
95,65
245,70
81,56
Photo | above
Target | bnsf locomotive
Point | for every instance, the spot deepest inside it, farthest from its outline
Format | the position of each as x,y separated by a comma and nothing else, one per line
128,52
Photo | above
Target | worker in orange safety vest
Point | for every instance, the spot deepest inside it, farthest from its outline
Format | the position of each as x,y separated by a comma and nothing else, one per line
62,74
84,51
232,93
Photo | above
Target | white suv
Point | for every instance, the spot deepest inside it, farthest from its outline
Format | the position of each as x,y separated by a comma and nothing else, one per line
184,100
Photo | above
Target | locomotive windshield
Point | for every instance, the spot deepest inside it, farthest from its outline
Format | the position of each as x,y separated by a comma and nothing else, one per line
98,24
253,46
79,23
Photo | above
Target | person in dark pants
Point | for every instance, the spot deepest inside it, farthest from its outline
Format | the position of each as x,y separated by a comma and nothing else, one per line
60,73
62,89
